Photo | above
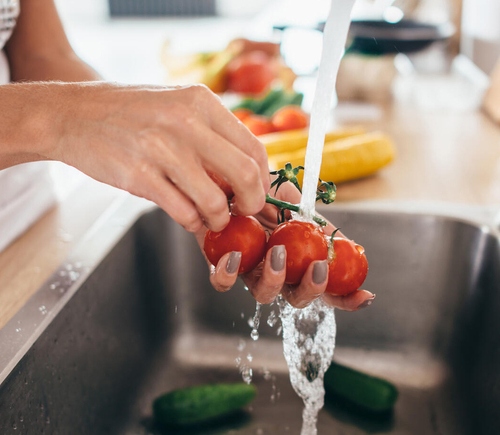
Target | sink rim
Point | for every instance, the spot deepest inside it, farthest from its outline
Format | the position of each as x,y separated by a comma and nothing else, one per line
28,324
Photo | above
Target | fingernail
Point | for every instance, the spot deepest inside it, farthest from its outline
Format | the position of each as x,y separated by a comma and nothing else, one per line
319,272
278,258
366,303
233,263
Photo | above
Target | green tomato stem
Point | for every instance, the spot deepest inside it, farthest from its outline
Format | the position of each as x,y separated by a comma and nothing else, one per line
289,206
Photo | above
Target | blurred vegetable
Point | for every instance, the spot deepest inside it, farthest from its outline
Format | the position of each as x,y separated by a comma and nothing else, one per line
243,66
367,392
346,159
272,101
288,141
200,404
289,117
277,110
250,73
258,124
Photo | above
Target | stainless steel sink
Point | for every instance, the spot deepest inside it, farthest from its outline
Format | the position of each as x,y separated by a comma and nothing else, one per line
131,314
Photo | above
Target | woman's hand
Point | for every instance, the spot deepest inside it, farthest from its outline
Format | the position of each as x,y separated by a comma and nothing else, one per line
268,279
155,142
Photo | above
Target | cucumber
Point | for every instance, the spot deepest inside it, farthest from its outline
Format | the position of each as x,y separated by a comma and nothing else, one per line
271,102
368,392
201,403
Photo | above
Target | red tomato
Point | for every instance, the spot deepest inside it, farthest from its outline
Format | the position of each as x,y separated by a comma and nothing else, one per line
304,242
289,118
242,114
258,124
250,73
348,269
243,234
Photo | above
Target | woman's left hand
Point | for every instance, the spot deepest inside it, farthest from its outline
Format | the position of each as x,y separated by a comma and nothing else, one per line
267,280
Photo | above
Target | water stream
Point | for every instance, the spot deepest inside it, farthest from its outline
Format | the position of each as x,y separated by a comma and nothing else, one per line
309,333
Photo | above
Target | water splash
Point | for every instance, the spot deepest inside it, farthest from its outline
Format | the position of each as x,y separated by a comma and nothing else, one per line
308,346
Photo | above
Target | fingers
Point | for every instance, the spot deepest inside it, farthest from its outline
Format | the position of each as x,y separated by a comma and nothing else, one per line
311,287
352,302
234,132
271,281
221,145
224,275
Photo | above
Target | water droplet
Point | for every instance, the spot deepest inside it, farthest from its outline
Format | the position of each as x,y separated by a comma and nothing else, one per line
267,375
14,426
54,285
254,335
249,357
272,319
18,329
73,276
175,309
241,344
246,374
42,309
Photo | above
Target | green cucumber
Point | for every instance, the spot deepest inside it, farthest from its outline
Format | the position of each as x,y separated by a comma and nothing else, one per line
287,98
271,102
201,403
371,393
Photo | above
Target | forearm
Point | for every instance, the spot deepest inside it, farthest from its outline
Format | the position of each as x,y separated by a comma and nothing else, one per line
65,67
39,50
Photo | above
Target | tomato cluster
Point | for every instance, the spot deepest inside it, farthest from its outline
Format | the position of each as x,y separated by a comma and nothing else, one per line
304,242
289,117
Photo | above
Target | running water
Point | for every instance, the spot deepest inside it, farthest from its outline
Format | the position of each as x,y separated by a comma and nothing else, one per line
309,333
334,39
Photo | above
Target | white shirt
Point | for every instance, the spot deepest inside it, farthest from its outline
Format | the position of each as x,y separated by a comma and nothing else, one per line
9,11
26,191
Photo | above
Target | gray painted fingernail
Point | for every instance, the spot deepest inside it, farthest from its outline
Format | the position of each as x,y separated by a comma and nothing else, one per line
366,303
278,258
319,272
233,263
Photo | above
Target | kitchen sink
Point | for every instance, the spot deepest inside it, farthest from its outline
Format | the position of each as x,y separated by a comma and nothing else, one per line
131,314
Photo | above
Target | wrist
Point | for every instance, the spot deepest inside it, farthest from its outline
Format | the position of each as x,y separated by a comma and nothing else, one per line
24,124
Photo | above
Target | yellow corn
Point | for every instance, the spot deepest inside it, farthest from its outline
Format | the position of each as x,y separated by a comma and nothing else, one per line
345,159
292,140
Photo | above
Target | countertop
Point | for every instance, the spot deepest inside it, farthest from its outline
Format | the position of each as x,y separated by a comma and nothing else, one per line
447,151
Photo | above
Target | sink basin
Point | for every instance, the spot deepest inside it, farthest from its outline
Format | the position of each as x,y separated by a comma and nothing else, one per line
131,314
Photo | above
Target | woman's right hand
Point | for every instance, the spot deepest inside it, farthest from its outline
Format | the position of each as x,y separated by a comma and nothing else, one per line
155,142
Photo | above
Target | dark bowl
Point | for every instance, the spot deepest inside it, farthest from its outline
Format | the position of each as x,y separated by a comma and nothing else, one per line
405,36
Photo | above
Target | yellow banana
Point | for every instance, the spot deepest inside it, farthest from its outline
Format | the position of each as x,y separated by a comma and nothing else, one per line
294,140
346,159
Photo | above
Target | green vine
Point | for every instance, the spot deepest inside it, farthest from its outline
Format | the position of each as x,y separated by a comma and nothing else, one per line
326,191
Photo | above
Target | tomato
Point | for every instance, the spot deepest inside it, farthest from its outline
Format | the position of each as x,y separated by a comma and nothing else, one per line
258,124
243,234
304,242
348,268
250,73
242,114
289,117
